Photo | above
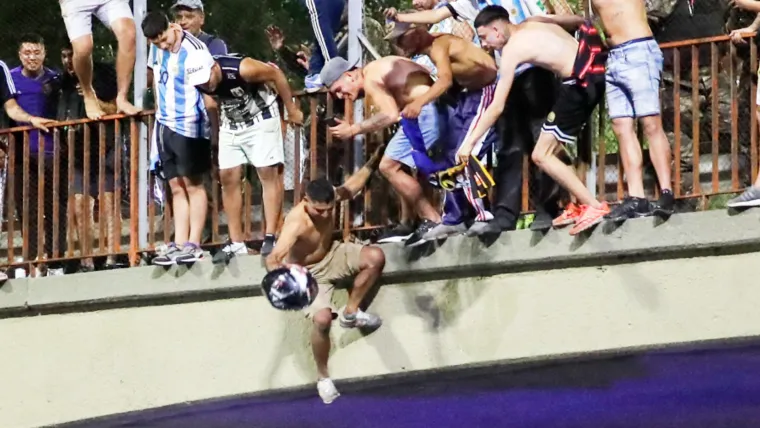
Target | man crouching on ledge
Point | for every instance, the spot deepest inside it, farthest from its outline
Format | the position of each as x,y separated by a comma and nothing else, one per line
306,240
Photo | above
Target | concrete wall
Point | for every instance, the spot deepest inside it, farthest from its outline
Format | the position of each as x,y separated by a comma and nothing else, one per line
66,366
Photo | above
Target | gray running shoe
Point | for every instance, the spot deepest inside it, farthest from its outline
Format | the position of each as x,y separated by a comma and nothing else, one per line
750,198
360,319
167,256
189,254
444,230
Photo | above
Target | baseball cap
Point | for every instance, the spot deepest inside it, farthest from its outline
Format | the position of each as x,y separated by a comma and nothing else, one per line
198,65
334,68
190,4
399,28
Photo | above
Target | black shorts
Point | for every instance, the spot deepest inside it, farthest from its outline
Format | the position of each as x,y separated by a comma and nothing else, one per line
182,156
573,108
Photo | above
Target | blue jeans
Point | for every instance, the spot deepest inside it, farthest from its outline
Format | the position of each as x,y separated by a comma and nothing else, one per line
325,21
633,76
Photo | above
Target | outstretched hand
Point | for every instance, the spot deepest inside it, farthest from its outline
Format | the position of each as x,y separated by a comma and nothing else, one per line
275,36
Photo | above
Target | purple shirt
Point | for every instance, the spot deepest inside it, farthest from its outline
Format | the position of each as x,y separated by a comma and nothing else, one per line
36,96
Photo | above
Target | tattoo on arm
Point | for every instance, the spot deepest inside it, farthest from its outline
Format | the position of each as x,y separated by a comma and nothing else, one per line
376,122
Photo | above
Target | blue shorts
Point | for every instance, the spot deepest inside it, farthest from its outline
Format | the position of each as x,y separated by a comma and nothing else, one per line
633,75
430,122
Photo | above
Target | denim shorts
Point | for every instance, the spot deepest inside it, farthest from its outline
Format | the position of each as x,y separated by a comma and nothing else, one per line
634,70
430,121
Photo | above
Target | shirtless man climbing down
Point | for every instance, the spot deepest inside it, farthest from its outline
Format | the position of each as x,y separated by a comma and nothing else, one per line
469,74
392,83
634,69
580,65
306,240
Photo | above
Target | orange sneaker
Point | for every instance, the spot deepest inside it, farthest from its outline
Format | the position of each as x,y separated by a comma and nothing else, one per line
589,218
569,216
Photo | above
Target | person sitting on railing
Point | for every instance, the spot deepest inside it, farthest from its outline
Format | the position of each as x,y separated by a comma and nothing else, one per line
71,107
37,88
250,134
634,71
325,22
468,74
580,63
751,196
179,63
391,83
307,240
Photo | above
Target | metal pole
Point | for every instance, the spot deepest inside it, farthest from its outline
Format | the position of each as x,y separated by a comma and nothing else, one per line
355,56
140,83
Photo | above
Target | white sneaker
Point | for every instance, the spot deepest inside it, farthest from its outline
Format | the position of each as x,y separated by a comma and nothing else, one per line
362,320
55,272
327,390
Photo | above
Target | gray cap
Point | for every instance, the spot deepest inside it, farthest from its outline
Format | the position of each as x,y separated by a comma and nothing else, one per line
190,4
332,71
398,30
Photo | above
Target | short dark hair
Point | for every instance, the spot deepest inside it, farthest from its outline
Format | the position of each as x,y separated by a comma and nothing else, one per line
154,24
67,47
32,38
489,14
321,190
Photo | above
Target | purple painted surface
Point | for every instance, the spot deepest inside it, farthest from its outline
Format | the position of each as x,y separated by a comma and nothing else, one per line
711,388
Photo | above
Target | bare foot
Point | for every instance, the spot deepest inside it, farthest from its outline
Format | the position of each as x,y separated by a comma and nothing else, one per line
124,106
92,107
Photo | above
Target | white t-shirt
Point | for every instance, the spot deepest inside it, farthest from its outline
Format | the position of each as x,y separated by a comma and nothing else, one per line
179,105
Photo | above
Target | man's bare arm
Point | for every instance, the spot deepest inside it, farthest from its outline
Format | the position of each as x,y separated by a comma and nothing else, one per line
388,113
432,16
516,51
439,54
291,230
15,112
568,22
356,182
254,71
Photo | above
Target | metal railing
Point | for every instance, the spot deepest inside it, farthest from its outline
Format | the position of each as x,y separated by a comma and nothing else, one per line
714,144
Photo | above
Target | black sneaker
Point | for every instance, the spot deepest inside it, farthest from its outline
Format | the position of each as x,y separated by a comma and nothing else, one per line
267,246
663,208
542,222
416,238
229,251
396,233
631,207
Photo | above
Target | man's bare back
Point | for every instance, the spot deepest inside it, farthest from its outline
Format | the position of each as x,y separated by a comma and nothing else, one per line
544,45
623,20
403,78
471,66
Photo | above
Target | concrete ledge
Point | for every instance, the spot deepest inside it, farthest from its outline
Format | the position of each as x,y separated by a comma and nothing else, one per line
684,235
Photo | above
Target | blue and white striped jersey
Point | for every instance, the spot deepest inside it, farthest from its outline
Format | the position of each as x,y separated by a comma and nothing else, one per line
179,105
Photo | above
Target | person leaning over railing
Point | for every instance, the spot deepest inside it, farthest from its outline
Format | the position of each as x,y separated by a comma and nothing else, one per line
71,107
37,88
534,92
751,196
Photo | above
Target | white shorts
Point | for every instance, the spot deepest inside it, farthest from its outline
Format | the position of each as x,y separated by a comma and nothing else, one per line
77,14
259,145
